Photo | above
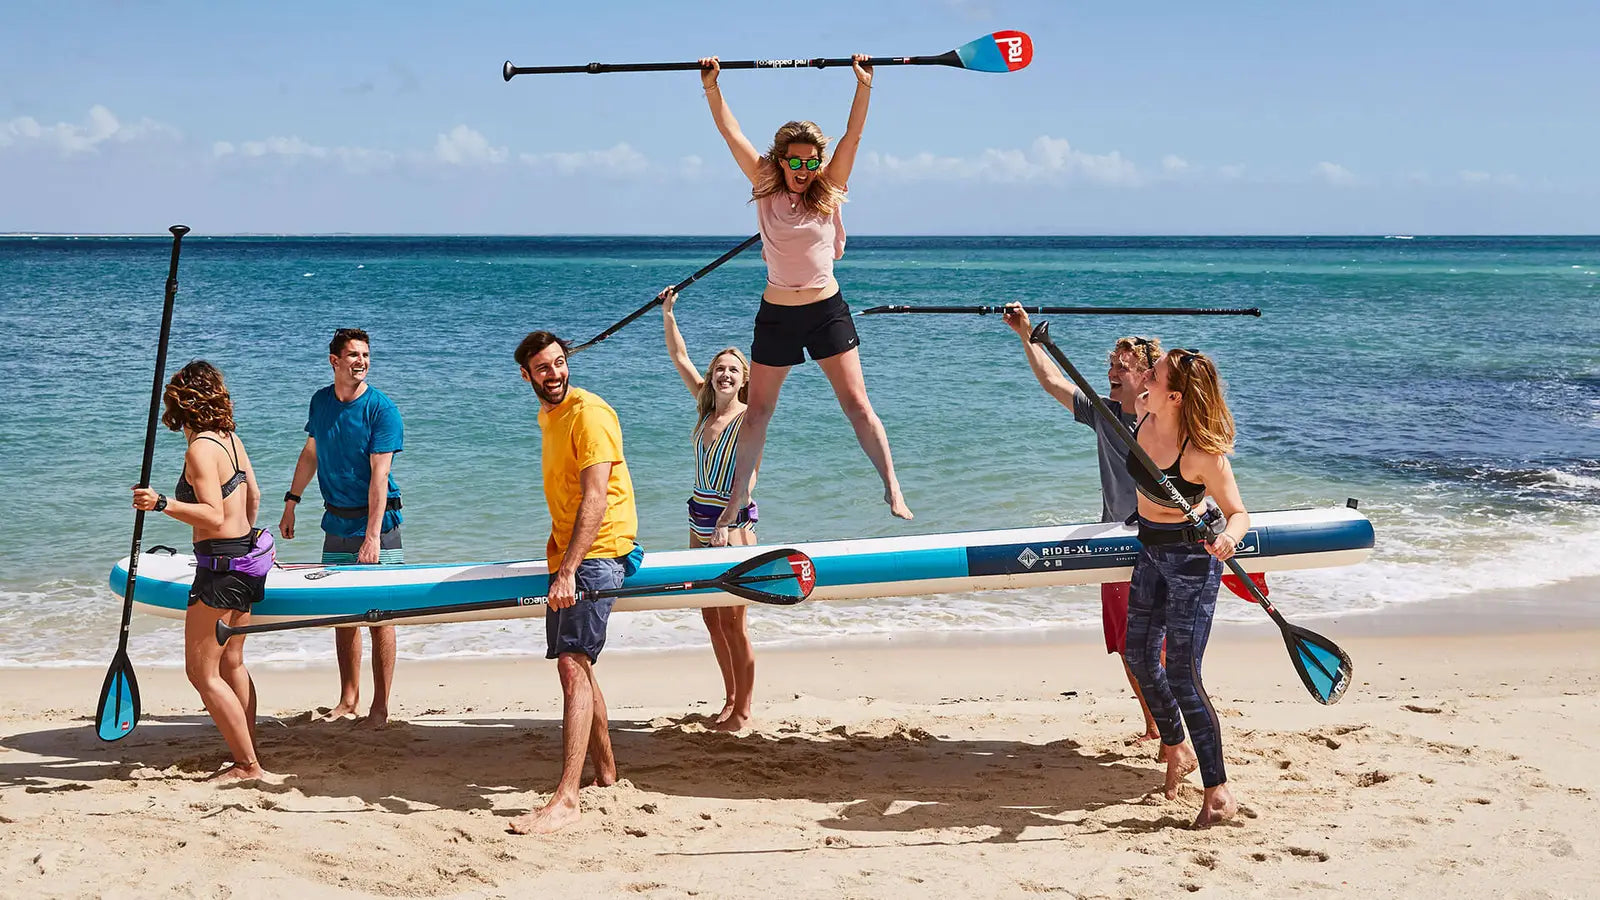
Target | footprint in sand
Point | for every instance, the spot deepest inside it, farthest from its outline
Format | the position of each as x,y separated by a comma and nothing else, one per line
1304,853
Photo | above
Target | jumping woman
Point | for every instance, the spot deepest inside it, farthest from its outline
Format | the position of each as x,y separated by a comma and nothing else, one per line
798,193
720,399
1187,429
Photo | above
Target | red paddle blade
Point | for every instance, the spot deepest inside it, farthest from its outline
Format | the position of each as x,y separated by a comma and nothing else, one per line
1237,586
1003,51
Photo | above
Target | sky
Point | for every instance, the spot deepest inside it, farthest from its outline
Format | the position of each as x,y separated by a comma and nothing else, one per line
1156,118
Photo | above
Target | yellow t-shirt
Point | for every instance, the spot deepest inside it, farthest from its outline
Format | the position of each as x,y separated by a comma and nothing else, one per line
579,433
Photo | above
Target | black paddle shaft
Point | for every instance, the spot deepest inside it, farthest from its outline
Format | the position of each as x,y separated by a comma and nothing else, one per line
703,271
178,231
732,581
1065,310
951,58
1041,336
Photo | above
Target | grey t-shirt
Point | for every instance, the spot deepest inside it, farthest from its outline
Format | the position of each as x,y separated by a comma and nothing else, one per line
1119,498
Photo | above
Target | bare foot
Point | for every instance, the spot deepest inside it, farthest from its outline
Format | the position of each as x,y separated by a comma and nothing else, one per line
1219,806
240,772
342,711
1151,733
556,815
734,722
1180,762
897,502
604,779
375,719
727,710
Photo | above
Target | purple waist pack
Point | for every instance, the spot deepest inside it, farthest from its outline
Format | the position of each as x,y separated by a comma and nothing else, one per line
257,563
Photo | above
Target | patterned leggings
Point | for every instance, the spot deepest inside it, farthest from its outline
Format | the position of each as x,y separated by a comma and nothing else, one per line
1173,597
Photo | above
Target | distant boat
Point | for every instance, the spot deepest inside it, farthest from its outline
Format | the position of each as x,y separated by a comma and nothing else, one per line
1399,237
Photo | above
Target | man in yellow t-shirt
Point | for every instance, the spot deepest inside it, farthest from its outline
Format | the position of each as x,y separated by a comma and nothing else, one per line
591,548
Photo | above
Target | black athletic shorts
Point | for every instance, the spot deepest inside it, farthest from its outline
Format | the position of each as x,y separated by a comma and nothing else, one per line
785,334
226,590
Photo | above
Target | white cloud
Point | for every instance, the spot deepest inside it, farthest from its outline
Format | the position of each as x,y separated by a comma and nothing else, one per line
463,146
1334,174
1046,159
101,126
618,160
1173,164
294,149
1471,176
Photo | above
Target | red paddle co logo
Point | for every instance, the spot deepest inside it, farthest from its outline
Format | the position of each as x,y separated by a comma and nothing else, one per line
1015,47
804,572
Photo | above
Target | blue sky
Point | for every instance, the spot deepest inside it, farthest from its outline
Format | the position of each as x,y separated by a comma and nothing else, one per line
1151,118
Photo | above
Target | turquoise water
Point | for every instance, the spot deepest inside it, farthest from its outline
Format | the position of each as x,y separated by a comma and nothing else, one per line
1453,384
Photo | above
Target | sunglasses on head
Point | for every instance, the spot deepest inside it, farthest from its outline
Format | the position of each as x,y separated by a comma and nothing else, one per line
811,164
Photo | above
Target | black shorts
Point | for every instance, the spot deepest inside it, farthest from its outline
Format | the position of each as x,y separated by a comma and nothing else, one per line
784,334
226,590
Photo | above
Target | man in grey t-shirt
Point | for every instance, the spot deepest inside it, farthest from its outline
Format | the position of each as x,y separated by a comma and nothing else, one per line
1130,358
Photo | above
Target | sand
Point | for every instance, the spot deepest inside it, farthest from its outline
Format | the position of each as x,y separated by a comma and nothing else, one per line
1461,762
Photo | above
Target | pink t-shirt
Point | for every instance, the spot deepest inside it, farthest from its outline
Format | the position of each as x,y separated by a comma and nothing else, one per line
799,246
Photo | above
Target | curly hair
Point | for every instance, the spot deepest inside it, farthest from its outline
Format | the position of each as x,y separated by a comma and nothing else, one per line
1145,351
1204,415
197,399
822,196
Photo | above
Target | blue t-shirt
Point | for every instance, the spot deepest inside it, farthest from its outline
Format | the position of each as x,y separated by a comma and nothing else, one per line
346,435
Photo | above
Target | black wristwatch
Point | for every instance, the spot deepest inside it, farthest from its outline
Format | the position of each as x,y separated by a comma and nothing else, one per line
161,503
291,497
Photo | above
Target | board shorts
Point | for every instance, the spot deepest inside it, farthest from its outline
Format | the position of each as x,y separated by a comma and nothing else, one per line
1114,615
229,589
785,334
338,550
581,627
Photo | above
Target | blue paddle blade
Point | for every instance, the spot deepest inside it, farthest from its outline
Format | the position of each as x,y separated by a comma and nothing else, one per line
783,577
118,712
1003,51
1324,669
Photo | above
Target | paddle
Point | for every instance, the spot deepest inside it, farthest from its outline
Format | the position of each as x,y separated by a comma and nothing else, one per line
1065,310
117,713
1324,669
701,273
1003,51
785,577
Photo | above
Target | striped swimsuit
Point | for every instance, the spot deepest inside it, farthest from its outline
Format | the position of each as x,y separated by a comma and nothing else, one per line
713,479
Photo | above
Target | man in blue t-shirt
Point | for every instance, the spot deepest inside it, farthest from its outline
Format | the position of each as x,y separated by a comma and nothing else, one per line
355,431
1129,359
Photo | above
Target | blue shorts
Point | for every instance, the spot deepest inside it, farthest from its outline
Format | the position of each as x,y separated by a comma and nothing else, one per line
581,627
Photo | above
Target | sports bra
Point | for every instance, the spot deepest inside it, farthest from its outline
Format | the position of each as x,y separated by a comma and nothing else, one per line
184,492
1152,490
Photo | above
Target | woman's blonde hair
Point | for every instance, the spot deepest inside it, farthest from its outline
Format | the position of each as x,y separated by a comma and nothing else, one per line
822,197
1204,414
705,399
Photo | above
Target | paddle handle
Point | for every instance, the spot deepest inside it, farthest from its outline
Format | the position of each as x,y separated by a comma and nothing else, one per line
1064,310
156,384
509,71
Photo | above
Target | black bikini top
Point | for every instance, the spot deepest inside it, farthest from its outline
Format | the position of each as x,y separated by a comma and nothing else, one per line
184,492
1151,490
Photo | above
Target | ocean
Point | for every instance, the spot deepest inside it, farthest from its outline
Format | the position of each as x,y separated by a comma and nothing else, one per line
1452,384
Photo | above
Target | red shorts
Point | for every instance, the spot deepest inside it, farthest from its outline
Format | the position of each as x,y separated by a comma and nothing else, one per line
1114,615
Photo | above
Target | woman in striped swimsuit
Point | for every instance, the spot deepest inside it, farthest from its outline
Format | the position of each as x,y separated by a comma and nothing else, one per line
721,395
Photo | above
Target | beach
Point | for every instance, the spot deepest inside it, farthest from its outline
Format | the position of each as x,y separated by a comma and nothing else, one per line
1460,761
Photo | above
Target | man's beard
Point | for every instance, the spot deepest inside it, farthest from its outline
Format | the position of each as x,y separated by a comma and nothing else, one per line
552,398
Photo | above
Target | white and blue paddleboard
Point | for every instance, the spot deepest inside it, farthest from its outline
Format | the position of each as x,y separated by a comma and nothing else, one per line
858,569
